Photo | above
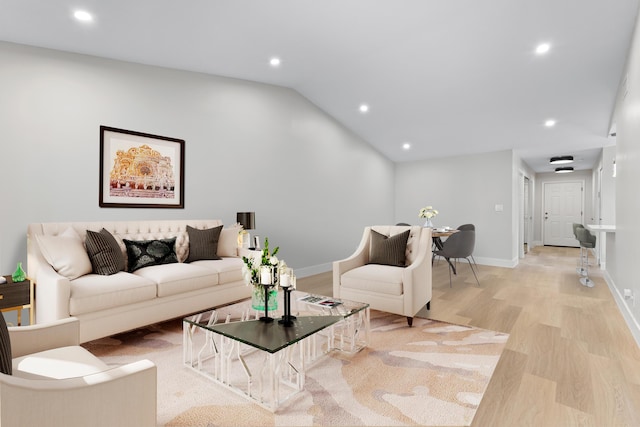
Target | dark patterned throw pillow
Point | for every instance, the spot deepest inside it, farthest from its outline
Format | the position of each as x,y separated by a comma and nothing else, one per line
203,244
104,253
144,253
388,250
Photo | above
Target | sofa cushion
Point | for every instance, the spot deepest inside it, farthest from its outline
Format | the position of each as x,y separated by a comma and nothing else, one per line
203,244
228,242
376,278
178,278
65,253
228,269
58,363
144,253
94,292
104,252
387,250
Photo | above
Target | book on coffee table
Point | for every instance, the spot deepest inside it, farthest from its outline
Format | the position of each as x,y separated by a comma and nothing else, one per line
320,301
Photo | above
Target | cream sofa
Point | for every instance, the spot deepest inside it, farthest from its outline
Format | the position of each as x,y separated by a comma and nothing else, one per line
109,304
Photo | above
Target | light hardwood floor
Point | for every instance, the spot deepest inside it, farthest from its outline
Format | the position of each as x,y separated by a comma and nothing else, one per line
570,358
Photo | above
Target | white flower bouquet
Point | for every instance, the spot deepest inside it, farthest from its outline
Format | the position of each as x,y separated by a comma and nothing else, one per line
428,212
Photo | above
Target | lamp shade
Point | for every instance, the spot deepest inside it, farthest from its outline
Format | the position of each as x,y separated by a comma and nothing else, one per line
247,220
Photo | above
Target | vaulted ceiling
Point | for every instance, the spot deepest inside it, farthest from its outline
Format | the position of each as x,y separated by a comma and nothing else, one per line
449,77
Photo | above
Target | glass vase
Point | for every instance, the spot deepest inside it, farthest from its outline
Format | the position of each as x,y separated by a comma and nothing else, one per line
19,275
257,298
428,223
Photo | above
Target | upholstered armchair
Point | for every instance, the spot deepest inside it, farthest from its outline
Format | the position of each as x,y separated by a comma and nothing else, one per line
49,380
390,270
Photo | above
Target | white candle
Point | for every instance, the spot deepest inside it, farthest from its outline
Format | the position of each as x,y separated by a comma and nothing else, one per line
265,275
284,280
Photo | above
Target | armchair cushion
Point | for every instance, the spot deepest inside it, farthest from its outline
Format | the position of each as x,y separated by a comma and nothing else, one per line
377,278
58,363
387,250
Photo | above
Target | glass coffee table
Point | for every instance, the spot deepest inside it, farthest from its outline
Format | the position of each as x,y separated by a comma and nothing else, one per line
266,362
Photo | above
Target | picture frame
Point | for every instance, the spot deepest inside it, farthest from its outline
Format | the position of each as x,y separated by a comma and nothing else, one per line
140,170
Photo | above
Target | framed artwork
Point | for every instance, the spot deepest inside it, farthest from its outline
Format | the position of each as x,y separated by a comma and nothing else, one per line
138,170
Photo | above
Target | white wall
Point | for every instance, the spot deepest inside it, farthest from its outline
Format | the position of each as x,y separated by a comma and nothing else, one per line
249,147
624,252
608,190
464,189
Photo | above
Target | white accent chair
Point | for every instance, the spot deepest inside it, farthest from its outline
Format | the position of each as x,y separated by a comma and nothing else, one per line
399,290
55,382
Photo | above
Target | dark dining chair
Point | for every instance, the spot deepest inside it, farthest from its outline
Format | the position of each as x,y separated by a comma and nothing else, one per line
471,227
459,245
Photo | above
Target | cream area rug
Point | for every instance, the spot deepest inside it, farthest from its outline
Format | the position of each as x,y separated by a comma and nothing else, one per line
432,374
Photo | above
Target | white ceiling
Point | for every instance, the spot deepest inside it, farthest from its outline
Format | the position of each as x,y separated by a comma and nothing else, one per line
449,76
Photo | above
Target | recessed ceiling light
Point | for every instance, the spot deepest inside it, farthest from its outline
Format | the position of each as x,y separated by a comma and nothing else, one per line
543,48
83,15
550,123
364,108
406,146
274,62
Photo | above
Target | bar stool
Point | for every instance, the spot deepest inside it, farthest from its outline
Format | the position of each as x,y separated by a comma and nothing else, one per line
580,269
587,241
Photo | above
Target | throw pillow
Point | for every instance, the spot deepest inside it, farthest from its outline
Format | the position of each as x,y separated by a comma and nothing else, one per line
144,253
6,362
203,244
65,253
104,253
388,250
228,242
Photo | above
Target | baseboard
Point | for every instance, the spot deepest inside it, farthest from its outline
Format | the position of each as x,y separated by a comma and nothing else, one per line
536,243
632,322
497,262
313,270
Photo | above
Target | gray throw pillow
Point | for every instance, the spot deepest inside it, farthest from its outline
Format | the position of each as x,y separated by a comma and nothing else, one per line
144,253
104,253
6,362
388,250
203,244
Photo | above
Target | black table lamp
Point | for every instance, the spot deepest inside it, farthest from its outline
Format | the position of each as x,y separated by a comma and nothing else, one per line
247,220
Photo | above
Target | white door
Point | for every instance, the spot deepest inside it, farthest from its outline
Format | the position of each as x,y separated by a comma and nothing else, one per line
563,203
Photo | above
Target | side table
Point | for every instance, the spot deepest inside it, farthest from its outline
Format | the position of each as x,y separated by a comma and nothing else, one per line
17,296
